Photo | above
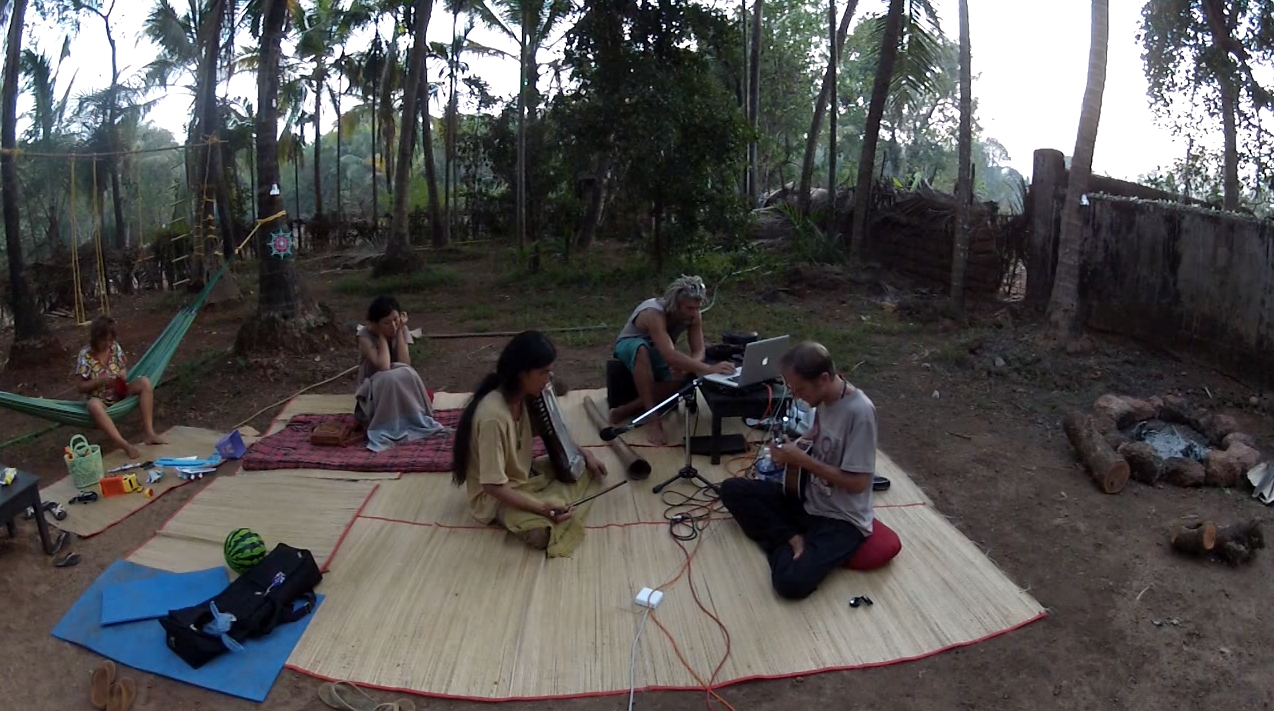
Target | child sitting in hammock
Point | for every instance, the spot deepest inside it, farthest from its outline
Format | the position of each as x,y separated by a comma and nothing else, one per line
103,371
391,402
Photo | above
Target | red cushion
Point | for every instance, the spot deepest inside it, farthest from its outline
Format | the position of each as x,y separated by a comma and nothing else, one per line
879,548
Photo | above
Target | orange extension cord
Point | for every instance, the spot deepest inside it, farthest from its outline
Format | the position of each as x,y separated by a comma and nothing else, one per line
735,471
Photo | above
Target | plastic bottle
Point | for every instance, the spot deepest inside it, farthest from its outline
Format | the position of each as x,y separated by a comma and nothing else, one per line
765,468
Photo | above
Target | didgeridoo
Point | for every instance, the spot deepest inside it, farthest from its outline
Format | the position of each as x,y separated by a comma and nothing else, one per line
636,467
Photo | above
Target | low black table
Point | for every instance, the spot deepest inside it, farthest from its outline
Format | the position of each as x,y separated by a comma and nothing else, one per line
748,402
16,497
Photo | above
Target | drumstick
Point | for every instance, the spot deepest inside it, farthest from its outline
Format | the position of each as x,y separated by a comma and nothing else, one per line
586,499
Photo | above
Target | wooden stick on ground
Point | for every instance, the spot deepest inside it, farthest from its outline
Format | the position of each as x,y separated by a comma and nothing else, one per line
636,467
1107,468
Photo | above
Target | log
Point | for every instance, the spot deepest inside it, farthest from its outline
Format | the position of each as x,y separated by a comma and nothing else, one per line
1234,544
1196,539
634,466
1144,465
1239,542
1107,468
1109,431
1179,411
1180,471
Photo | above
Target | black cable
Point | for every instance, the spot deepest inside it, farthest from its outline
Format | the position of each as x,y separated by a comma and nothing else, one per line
689,516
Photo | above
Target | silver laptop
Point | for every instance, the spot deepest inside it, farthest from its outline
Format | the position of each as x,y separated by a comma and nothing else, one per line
760,363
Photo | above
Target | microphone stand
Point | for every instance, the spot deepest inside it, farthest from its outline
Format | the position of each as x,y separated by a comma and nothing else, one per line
689,391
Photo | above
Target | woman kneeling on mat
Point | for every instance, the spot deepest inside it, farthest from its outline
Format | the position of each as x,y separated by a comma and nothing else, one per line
103,371
391,402
492,451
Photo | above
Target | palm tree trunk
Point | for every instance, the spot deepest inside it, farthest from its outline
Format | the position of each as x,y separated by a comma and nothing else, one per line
279,289
375,151
596,200
833,194
387,121
820,106
521,160
964,173
1063,306
28,322
754,102
318,147
1219,25
336,100
207,118
1229,129
437,226
399,257
871,130
112,131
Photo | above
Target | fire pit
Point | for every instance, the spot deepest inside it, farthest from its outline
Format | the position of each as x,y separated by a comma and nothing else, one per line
1168,440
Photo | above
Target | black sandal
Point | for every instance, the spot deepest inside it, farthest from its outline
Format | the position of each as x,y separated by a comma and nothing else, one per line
61,541
67,560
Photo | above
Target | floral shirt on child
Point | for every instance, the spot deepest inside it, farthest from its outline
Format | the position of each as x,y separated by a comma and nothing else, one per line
88,367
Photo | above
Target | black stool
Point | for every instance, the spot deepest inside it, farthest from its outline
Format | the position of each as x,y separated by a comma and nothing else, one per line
620,388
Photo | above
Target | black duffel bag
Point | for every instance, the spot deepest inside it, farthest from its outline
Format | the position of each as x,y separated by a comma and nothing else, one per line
275,591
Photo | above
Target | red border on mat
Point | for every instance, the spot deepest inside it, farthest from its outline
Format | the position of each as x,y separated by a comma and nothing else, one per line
722,685
126,516
345,531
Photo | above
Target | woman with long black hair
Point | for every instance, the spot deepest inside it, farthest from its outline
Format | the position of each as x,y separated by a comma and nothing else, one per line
391,401
492,450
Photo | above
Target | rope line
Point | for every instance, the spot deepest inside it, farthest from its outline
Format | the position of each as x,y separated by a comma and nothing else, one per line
18,152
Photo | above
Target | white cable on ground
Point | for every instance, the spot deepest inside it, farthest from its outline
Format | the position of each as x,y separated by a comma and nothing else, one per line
305,389
632,663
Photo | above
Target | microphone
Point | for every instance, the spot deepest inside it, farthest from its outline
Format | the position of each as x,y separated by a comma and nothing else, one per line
610,433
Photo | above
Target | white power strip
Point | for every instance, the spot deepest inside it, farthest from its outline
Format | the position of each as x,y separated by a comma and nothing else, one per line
649,598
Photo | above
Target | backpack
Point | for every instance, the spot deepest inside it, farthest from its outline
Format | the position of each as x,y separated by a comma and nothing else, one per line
261,599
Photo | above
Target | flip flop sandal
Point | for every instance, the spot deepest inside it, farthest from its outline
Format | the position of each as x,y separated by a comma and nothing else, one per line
346,696
99,685
122,695
61,541
67,560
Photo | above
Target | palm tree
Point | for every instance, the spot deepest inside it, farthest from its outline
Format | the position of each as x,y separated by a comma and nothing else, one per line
32,342
535,20
111,118
964,172
437,225
820,106
48,134
921,52
1063,306
326,26
754,100
399,257
280,289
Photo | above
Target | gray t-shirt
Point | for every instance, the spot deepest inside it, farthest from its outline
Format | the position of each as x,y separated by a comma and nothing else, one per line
632,330
844,436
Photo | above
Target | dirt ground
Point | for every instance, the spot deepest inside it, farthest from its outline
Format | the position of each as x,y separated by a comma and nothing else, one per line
972,412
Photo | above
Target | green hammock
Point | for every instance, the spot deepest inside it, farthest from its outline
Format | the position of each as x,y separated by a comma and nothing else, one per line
151,364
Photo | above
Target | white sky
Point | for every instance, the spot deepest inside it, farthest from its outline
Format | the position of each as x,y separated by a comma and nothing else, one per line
1030,60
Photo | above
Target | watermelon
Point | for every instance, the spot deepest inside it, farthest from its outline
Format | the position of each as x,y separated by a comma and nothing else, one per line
244,548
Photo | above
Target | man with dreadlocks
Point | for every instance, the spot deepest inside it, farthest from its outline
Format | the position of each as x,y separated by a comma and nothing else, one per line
647,346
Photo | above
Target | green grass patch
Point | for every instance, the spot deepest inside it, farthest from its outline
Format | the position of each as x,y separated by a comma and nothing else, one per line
429,278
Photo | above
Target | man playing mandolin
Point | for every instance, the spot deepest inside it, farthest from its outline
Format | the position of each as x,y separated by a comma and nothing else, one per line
809,534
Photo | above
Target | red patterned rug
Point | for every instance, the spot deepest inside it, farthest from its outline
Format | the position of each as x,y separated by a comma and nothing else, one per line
290,448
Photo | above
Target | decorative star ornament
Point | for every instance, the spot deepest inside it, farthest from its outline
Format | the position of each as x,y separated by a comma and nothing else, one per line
282,243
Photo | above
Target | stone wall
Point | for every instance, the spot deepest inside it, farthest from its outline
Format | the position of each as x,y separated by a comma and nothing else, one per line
1186,278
